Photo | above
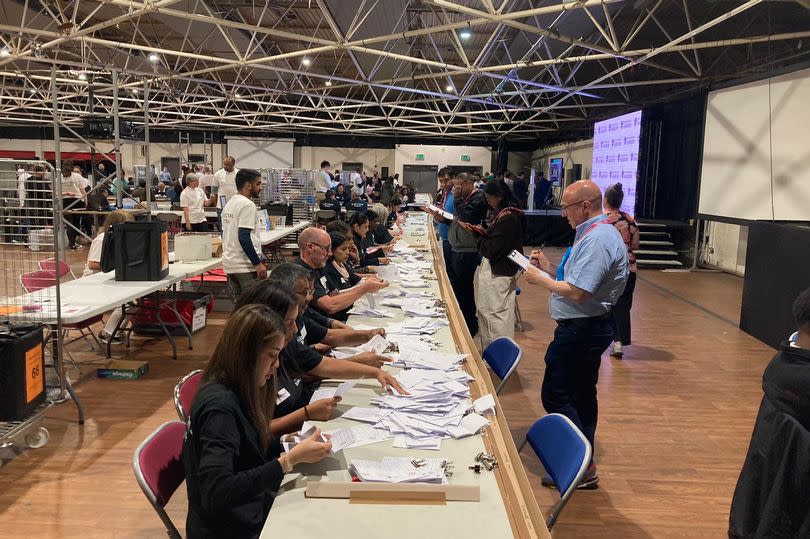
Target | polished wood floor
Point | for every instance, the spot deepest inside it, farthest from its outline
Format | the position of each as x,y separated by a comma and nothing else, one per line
676,416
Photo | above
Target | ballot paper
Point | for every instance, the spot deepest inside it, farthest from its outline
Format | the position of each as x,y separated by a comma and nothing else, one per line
485,405
288,441
403,441
388,273
377,344
436,209
356,437
362,307
366,415
399,470
523,262
331,392
471,424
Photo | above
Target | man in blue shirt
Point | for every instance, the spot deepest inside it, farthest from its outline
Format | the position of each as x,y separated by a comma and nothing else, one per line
589,280
445,200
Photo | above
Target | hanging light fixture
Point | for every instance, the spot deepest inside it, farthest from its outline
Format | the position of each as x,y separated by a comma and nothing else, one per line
449,88
82,76
328,83
465,33
5,52
153,57
306,61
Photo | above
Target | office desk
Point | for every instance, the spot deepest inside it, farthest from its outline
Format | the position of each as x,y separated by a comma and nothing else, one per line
507,507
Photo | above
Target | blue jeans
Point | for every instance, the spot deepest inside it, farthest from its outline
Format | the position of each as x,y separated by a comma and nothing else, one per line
572,370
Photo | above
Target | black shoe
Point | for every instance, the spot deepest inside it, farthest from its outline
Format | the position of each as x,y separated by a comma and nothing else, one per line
105,338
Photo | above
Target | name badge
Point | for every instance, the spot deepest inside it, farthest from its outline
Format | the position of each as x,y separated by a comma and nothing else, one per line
283,395
297,382
342,280
302,335
323,281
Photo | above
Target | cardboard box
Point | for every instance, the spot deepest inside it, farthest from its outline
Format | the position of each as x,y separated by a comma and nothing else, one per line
216,246
120,369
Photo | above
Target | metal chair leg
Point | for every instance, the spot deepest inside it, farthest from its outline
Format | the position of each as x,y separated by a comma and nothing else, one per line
518,317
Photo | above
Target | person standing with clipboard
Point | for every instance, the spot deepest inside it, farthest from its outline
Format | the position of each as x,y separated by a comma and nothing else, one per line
588,284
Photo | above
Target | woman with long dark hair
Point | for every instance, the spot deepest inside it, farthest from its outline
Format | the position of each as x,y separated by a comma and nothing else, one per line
627,227
234,465
497,275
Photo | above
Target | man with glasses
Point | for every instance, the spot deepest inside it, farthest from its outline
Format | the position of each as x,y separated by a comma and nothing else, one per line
590,279
241,247
315,246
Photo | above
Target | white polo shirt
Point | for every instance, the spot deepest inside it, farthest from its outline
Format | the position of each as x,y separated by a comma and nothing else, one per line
194,200
226,184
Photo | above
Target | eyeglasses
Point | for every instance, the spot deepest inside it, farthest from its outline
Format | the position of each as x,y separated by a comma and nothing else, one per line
325,249
580,202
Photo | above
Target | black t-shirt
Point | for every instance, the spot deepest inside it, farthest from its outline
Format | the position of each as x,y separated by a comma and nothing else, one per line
294,392
342,198
358,204
335,281
382,235
318,278
310,331
333,205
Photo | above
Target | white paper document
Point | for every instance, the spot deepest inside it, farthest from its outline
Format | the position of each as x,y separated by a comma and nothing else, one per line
399,470
446,215
485,405
525,264
356,437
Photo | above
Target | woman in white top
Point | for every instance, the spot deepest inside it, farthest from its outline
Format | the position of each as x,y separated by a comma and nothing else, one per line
72,193
193,202
94,264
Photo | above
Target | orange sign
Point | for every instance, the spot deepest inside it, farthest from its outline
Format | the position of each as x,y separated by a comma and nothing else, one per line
34,377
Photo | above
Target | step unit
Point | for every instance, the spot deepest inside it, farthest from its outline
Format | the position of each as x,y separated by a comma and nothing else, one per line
656,248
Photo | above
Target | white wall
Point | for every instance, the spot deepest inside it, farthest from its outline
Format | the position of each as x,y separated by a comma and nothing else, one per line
726,247
441,156
580,153
131,153
310,157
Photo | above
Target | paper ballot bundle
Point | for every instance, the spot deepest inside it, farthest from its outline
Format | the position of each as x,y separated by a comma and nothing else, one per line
523,262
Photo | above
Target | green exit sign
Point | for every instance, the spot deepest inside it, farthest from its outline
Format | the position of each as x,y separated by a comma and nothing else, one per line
465,157
420,157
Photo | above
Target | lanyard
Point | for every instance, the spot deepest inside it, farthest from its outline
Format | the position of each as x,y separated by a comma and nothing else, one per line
567,254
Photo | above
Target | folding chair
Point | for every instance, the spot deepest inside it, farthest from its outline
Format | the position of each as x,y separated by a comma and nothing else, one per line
564,452
37,280
49,264
159,470
503,355
518,317
184,393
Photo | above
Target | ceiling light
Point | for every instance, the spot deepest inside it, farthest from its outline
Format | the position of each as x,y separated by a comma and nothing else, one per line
306,61
82,76
32,90
5,52
133,90
449,88
237,96
328,83
465,33
153,57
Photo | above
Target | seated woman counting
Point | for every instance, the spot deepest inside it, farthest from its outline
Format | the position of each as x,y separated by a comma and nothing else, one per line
343,285
233,463
360,227
302,366
93,265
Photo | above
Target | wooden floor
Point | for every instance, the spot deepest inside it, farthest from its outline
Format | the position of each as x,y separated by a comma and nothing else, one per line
676,416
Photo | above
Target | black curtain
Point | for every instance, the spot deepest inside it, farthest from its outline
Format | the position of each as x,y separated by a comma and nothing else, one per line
679,154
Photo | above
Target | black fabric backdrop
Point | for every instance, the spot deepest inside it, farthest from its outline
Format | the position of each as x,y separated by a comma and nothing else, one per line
777,268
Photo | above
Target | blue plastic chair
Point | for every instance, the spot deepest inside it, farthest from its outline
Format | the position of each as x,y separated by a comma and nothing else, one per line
503,355
564,452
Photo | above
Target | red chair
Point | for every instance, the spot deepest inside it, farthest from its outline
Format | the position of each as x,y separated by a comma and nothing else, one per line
41,279
159,470
184,393
49,264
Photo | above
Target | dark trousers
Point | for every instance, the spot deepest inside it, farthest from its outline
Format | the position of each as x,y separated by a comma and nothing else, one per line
621,312
464,266
447,251
75,220
200,227
239,282
572,370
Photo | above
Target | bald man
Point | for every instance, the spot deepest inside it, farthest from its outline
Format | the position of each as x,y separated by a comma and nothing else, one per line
589,280
315,247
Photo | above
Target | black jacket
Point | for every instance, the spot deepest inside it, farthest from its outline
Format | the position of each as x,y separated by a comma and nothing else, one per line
335,282
504,235
771,498
231,481
471,210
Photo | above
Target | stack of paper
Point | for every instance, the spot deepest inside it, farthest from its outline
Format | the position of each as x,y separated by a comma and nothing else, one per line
399,470
356,437
485,405
363,307
388,273
426,308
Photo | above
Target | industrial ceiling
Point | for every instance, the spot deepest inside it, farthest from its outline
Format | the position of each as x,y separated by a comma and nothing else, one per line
472,69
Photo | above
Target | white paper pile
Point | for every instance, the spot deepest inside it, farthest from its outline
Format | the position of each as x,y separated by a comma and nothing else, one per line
367,307
485,405
410,359
426,308
356,437
388,273
417,325
399,470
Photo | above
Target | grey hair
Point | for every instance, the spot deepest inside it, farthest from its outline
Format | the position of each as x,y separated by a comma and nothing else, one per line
287,274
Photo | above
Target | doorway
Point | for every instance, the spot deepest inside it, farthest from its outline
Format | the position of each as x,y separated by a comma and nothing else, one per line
425,178
173,163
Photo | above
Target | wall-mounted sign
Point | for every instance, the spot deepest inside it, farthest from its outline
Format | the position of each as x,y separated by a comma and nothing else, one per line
465,157
420,157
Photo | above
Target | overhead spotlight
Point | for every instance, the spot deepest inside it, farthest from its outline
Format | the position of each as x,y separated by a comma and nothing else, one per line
153,57
306,61
82,76
32,90
237,96
465,33
133,90
5,52
449,88
328,83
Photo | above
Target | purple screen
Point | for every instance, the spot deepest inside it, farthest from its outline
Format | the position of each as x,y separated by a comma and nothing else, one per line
615,155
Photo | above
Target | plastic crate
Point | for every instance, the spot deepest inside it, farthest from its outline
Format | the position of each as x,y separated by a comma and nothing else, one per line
193,308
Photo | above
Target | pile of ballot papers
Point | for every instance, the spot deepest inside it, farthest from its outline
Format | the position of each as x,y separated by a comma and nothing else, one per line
400,470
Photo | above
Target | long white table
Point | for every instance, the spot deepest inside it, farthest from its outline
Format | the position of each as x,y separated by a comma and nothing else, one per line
271,236
491,517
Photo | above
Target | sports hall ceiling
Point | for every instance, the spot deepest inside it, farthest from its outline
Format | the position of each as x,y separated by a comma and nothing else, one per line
455,69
